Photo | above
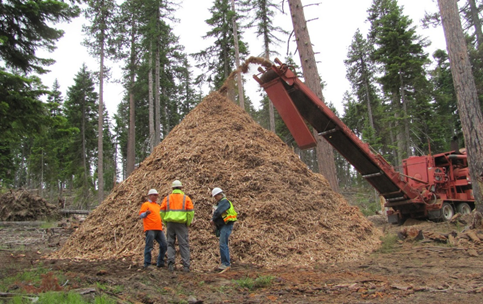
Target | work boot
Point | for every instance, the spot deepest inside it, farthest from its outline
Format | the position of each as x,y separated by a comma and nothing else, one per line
186,269
223,268
171,267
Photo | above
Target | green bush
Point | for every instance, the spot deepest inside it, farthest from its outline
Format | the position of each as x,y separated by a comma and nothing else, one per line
260,282
388,242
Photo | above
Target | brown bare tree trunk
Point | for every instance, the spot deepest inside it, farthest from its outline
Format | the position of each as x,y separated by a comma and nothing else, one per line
271,111
132,135
468,106
476,22
325,152
157,88
100,142
239,79
151,99
157,98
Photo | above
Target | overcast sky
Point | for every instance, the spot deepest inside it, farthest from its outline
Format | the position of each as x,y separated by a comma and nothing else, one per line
331,33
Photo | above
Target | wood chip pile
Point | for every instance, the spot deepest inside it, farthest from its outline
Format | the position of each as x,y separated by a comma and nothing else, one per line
287,214
23,206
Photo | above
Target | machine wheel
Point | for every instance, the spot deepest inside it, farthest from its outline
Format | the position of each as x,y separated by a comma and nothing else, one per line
447,212
463,208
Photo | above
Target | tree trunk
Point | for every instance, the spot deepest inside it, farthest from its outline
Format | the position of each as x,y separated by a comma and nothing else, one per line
475,18
157,88
41,174
100,142
166,127
271,111
84,152
131,158
241,97
368,97
325,153
151,99
404,102
468,105
157,124
398,130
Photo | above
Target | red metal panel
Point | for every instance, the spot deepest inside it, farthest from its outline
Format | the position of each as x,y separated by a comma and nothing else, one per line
289,113
275,86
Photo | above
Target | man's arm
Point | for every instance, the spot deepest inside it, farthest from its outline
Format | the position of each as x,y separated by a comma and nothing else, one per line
144,211
222,207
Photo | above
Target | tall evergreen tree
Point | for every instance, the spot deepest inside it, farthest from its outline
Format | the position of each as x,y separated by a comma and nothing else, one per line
47,161
217,61
81,111
26,27
263,22
129,46
361,72
400,53
101,17
21,114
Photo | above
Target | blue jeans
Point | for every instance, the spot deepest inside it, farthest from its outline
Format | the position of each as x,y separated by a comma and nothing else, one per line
157,235
225,232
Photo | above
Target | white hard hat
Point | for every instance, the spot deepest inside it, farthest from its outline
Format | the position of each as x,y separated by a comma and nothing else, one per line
153,191
176,184
216,191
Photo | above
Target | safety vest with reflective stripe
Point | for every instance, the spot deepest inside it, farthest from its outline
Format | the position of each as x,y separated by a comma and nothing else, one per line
178,208
230,214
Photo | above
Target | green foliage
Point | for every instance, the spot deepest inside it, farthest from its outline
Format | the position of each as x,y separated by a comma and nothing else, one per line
259,282
388,243
21,115
48,224
264,281
264,12
246,282
28,277
399,53
218,60
56,297
26,27
61,298
104,300
81,111
367,202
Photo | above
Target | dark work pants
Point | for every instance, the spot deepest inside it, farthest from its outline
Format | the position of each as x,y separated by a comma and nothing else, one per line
152,235
179,231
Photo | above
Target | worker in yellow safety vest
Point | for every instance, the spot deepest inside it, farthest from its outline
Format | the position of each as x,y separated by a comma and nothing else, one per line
224,217
177,213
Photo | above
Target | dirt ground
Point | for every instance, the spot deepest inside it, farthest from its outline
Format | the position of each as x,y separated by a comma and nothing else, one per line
403,271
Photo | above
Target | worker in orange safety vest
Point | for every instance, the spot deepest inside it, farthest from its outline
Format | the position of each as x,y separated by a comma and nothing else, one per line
153,229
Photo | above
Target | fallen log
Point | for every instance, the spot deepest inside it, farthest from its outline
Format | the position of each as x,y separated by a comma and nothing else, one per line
67,211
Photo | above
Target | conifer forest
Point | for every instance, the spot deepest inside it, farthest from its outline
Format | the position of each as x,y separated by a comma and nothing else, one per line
402,100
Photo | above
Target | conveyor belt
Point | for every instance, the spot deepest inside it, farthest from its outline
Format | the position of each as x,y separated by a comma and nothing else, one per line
296,103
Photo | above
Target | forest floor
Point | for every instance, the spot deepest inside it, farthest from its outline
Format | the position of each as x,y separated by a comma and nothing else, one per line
412,270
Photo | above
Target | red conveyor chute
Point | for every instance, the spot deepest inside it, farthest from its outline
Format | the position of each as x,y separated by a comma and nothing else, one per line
295,103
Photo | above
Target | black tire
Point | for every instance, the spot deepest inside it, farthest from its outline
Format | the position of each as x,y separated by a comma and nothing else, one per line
463,208
447,212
